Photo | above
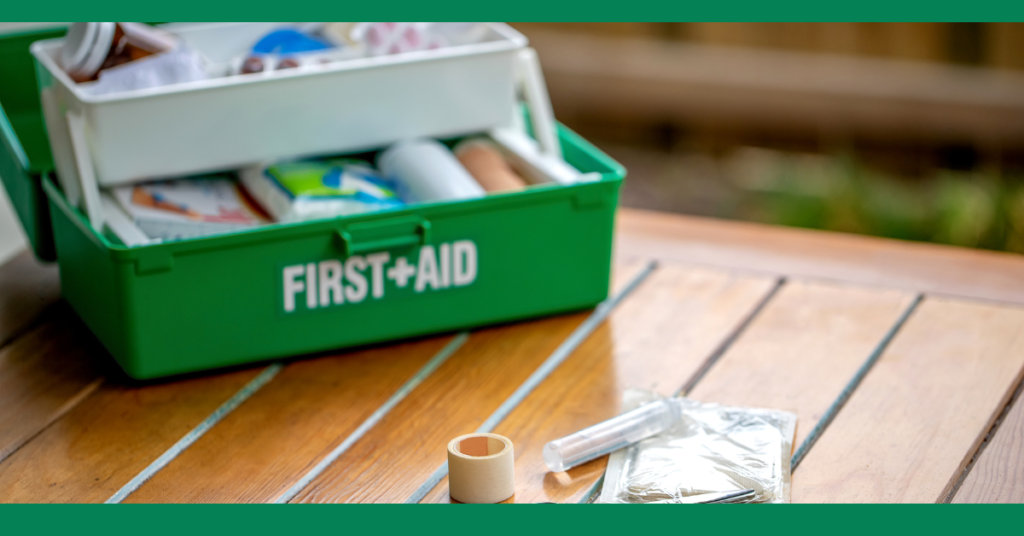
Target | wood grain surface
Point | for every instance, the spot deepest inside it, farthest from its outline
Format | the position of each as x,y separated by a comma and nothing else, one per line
998,475
389,463
73,429
396,456
265,445
27,287
804,253
656,339
110,437
803,349
919,416
43,374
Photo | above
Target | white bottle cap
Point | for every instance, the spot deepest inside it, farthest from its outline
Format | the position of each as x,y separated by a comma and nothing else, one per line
85,47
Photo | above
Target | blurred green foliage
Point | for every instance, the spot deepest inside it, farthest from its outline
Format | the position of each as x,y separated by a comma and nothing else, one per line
974,209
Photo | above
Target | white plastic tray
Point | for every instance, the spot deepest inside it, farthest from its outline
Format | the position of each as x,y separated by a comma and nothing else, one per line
229,122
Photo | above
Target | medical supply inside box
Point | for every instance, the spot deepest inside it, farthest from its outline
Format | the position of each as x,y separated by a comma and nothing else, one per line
231,193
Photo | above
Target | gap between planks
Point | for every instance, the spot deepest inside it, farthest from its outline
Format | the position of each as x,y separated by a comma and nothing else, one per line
800,349
1009,489
263,485
455,400
847,392
543,371
725,346
377,415
920,416
62,410
193,435
44,374
27,290
715,303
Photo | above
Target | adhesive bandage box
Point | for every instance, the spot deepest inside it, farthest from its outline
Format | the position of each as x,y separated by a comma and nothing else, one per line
186,208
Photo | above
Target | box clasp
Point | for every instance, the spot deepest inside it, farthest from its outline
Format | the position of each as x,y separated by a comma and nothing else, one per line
153,262
382,235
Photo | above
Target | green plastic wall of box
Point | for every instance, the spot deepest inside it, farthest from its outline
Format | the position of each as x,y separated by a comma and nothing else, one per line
185,306
26,156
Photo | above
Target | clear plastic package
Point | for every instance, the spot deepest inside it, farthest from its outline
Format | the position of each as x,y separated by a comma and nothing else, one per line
611,435
711,449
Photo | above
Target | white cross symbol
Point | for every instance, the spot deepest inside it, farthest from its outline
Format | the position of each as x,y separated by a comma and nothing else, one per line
401,272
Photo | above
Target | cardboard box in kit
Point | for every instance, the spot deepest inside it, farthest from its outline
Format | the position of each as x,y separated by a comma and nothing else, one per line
181,306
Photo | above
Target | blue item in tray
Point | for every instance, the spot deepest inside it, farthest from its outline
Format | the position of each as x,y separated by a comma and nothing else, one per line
288,41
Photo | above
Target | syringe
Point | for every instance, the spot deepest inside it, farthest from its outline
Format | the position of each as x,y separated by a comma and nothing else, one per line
611,435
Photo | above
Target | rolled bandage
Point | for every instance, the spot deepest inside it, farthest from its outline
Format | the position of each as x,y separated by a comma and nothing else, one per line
425,170
481,468
485,163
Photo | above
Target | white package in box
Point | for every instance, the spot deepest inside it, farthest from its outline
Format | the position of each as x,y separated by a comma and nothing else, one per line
232,121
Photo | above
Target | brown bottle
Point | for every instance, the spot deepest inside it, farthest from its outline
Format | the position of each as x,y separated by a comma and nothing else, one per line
91,47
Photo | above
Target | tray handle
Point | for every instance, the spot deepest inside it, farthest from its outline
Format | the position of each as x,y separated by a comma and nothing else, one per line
535,92
87,184
381,235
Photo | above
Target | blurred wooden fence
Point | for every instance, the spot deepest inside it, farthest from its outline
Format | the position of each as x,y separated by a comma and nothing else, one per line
995,45
925,82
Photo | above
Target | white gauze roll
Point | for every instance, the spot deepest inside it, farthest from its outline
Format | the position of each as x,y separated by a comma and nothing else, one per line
425,170
481,468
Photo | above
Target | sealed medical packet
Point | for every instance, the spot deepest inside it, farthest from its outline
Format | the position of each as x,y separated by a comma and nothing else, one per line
311,189
186,208
712,449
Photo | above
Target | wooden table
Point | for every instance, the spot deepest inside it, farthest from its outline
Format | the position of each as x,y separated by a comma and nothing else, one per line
901,360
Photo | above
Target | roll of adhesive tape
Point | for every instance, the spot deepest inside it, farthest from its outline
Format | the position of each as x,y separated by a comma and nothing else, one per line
481,468
484,162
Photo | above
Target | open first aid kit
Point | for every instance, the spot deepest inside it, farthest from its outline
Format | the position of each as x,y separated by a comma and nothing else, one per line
426,254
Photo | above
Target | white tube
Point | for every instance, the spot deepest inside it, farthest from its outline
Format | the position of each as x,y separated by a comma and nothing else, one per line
425,170
611,435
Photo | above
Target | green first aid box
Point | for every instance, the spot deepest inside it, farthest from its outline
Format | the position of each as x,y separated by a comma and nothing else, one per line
282,290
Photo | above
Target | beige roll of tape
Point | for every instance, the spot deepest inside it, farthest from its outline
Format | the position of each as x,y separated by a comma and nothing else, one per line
481,468
484,162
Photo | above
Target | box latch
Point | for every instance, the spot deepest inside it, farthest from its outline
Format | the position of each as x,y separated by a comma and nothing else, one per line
153,262
590,199
380,235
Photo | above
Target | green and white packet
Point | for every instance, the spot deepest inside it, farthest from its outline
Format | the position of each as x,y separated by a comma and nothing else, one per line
315,189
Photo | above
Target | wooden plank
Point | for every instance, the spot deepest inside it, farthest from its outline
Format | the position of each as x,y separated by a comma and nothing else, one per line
106,440
391,462
43,374
308,409
655,340
1004,41
801,351
919,416
27,287
911,266
110,437
260,449
998,475
453,401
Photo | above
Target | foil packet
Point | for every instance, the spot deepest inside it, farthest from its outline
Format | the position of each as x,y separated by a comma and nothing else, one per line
712,449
